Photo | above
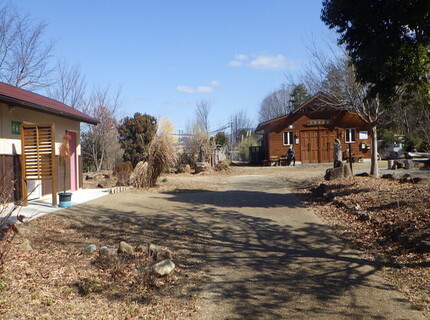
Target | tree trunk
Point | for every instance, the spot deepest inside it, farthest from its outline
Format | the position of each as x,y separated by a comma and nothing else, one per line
374,170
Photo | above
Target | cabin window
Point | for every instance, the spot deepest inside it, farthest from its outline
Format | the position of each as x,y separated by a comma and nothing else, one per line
349,135
288,138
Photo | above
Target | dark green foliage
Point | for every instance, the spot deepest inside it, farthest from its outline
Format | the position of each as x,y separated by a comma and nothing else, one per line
387,137
388,41
411,143
221,139
410,116
298,95
135,134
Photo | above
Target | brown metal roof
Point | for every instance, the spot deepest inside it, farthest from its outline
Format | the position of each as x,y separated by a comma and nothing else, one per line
34,101
322,96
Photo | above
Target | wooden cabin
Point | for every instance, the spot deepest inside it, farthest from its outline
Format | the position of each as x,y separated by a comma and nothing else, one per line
311,129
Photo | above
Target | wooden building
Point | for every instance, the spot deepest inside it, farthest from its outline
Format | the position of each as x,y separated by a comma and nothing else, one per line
20,108
311,129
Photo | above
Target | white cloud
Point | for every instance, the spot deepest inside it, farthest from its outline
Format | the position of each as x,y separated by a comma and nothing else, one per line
204,89
262,61
199,89
185,89
278,62
241,57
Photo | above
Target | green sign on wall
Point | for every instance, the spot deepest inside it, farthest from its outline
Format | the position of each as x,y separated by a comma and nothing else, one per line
16,125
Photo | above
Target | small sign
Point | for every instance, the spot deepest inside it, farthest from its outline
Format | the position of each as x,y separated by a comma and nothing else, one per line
362,135
16,125
297,141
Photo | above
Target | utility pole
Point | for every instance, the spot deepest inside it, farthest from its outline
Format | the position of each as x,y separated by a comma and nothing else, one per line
231,139
235,132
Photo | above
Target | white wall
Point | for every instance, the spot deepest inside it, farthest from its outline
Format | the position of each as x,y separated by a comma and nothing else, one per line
9,140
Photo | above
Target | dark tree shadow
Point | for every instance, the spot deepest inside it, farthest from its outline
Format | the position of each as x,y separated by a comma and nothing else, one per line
259,267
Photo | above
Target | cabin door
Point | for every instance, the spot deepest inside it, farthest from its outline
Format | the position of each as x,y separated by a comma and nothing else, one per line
326,145
309,146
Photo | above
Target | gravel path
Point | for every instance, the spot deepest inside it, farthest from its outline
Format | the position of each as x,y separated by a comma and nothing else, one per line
268,256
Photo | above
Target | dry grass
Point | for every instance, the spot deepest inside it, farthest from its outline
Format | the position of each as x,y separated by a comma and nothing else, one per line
161,156
57,281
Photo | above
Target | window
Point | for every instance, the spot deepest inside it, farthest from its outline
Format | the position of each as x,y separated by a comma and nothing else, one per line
288,138
349,135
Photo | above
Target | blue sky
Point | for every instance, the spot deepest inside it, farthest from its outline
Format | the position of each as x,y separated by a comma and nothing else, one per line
166,55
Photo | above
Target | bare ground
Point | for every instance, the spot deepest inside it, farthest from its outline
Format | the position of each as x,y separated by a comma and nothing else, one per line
57,281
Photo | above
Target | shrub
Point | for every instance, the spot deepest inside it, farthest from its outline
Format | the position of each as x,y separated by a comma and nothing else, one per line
123,171
221,166
161,155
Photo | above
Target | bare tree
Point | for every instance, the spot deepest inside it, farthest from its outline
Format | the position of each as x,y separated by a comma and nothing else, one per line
69,85
276,104
335,75
100,142
241,125
24,55
203,108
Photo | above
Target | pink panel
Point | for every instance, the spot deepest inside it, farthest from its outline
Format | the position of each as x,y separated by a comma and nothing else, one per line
73,162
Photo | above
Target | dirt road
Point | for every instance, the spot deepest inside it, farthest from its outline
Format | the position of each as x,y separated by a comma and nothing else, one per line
268,257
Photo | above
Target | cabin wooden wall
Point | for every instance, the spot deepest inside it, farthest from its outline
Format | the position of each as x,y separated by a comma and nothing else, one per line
314,144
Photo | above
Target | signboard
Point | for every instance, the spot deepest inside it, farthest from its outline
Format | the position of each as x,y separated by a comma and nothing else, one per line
363,135
16,125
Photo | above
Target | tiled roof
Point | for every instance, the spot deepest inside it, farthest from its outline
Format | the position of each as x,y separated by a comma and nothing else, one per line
34,101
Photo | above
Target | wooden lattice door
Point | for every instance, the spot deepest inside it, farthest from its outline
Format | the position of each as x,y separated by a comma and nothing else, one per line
38,157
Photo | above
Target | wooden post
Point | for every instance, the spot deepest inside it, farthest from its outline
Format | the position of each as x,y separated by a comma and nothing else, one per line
54,167
350,158
23,180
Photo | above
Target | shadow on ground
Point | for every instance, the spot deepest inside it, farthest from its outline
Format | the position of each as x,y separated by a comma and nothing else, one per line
260,268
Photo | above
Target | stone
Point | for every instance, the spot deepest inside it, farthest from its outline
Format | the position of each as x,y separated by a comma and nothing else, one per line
409,164
407,240
362,216
88,177
416,180
184,168
363,174
406,178
387,176
320,190
141,248
163,255
346,171
334,173
100,186
164,267
158,254
423,246
398,164
330,196
26,245
107,251
202,167
125,248
90,249
106,176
